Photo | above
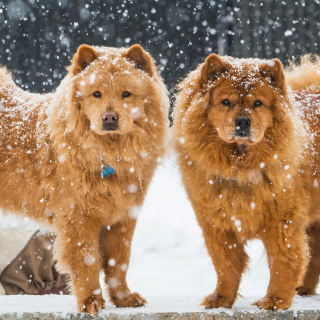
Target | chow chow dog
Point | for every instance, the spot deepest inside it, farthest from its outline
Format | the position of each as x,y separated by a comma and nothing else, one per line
81,160
247,151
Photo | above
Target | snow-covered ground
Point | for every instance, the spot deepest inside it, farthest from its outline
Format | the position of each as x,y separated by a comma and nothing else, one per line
169,264
156,304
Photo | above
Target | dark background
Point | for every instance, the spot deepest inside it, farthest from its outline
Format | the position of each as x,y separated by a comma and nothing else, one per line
39,37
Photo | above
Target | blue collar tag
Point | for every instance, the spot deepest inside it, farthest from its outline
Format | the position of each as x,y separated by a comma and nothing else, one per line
106,171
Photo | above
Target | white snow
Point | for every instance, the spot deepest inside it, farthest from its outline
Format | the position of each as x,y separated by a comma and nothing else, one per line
62,305
288,33
169,263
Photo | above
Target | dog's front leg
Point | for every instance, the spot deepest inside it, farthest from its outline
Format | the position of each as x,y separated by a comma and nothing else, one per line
77,250
115,249
229,259
286,246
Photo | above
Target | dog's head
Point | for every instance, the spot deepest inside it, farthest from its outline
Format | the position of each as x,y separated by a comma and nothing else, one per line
242,95
112,86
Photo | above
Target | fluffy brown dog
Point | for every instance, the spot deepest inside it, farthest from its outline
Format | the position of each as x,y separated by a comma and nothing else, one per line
245,157
58,154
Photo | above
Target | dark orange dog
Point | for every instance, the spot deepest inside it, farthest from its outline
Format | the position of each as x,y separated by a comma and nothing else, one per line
81,160
247,162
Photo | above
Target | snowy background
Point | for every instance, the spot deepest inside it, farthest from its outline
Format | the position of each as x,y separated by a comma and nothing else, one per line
38,38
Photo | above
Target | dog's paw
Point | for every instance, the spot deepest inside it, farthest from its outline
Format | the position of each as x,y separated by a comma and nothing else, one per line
91,305
134,300
273,303
303,291
215,300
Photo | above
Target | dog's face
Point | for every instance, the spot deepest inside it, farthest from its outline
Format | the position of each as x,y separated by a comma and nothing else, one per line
242,97
114,87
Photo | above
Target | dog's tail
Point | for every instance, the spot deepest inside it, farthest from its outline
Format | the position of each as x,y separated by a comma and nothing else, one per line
304,73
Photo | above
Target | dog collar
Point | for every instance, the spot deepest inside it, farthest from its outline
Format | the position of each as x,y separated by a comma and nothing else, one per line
106,171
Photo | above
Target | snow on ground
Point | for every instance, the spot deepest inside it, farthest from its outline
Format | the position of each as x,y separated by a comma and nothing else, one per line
156,304
169,264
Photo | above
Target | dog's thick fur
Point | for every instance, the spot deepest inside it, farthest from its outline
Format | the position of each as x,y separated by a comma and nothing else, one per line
264,186
53,148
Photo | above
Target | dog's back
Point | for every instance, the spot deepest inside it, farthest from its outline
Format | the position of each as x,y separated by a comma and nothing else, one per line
305,74
304,80
22,128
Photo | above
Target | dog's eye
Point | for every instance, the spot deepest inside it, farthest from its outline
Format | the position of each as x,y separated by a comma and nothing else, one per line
257,104
226,103
97,94
126,94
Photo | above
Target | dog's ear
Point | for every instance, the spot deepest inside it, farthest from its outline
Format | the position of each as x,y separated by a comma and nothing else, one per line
141,59
84,56
272,70
212,68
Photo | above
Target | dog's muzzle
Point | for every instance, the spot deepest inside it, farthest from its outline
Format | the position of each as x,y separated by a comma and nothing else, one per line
243,125
110,121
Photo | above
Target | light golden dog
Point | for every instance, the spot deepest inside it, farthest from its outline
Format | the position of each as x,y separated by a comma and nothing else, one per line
248,153
81,160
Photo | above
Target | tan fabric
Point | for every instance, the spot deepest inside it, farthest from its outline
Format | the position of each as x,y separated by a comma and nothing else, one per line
33,270
12,241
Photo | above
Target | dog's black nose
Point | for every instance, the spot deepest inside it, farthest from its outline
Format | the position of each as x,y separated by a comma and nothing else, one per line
242,127
110,117
110,120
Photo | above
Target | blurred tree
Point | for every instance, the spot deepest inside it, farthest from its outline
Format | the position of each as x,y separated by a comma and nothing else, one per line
38,38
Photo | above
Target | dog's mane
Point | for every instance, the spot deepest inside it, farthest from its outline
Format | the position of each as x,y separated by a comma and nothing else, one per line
286,138
74,128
